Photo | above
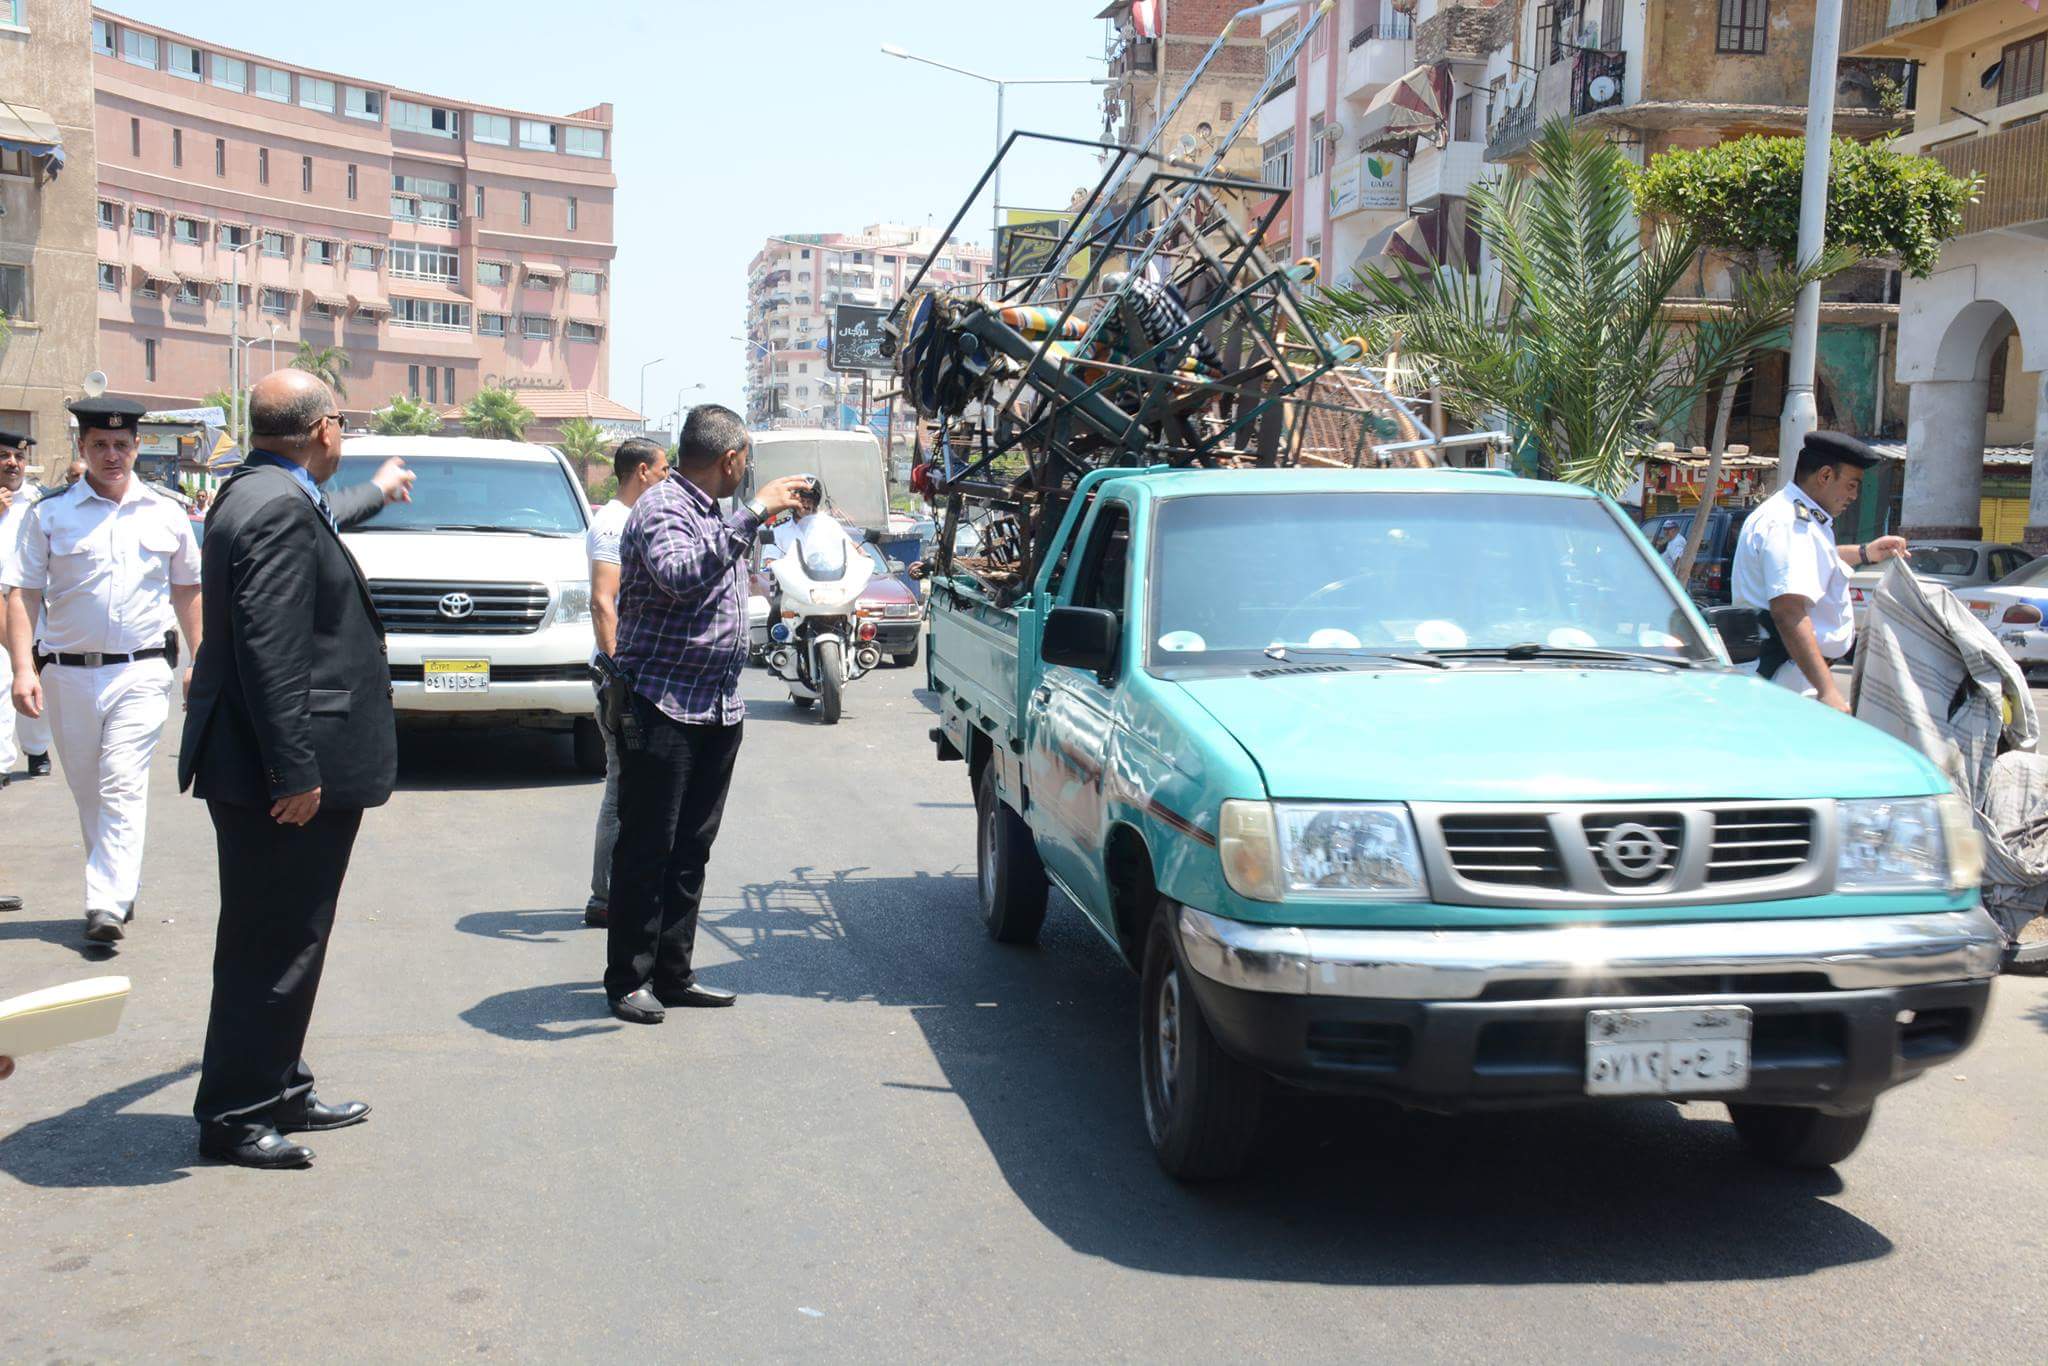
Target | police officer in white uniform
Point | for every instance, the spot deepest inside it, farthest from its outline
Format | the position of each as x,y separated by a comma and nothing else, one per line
104,567
1789,565
19,735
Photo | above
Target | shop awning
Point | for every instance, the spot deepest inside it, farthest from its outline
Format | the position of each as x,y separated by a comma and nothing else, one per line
370,303
25,128
1414,106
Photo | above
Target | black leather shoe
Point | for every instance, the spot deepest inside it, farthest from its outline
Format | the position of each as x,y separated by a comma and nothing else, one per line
103,927
639,1008
267,1151
10,903
696,994
313,1115
596,914
38,765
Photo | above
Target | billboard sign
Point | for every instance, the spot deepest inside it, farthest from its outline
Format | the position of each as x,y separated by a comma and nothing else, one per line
857,339
1371,181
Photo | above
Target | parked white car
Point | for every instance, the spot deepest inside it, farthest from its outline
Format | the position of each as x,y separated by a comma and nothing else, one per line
1960,565
482,584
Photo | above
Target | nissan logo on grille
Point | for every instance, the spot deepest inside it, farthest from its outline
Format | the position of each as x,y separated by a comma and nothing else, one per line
456,606
1634,851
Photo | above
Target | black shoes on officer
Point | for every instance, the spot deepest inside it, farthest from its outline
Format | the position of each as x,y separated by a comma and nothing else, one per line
596,914
266,1150
103,927
695,994
38,765
312,1115
646,1006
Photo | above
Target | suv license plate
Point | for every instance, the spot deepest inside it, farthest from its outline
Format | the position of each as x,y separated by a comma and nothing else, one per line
1667,1051
457,675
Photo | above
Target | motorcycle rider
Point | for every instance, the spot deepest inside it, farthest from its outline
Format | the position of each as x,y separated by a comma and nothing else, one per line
811,530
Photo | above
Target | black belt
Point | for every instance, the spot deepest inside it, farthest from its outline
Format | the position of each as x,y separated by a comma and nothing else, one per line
94,660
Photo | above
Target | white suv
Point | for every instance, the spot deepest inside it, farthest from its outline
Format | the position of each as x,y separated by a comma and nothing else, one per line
483,584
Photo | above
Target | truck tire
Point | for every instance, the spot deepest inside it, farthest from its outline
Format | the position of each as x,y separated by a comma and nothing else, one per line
907,658
588,742
1010,878
831,679
1201,1105
1788,1136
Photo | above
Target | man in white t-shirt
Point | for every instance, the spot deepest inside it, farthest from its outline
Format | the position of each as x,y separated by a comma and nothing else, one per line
19,735
640,464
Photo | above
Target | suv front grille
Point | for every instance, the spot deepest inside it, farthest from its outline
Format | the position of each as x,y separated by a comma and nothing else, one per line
1759,842
1508,850
410,607
1643,854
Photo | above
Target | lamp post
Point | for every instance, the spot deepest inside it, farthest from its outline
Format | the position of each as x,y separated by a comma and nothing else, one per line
1801,414
679,409
240,365
643,384
271,323
237,357
1001,84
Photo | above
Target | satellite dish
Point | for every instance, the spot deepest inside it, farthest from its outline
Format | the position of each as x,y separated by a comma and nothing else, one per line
1602,89
95,384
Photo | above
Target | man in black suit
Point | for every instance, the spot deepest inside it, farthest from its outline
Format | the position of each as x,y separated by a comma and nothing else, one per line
288,737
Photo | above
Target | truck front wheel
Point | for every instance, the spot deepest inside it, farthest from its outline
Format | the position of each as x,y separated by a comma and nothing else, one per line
1787,1136
1201,1105
1011,879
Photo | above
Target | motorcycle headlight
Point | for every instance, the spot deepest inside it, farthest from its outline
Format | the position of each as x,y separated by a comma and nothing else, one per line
1907,844
1348,851
572,602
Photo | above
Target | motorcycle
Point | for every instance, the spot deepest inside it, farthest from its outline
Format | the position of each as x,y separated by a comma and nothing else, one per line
816,642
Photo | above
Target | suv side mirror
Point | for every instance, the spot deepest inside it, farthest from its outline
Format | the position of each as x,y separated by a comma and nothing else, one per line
1742,631
1081,638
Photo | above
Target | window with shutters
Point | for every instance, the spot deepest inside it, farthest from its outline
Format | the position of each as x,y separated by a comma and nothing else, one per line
2020,69
1743,26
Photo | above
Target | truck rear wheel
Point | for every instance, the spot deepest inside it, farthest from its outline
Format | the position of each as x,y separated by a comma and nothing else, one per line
831,678
1201,1105
1787,1136
1011,879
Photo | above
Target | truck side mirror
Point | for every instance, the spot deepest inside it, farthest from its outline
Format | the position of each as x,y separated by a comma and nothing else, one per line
1742,632
1080,638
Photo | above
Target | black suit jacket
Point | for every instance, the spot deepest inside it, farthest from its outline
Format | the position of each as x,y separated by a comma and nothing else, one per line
291,689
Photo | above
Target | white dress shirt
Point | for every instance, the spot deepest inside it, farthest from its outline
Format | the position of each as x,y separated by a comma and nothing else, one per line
105,568
1788,546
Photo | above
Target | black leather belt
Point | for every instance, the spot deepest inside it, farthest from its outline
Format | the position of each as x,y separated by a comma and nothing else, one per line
95,660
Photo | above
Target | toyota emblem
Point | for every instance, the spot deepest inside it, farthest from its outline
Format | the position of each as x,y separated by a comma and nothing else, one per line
1634,851
456,606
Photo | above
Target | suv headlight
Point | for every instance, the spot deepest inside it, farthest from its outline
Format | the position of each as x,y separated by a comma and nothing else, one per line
572,602
1338,851
1907,844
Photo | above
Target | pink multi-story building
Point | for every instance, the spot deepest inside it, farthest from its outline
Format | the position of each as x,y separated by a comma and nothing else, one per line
445,246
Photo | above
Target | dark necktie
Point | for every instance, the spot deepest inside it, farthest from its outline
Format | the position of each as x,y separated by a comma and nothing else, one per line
320,501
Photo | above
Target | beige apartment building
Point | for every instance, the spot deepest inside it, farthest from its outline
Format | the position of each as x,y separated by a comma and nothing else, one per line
446,246
49,341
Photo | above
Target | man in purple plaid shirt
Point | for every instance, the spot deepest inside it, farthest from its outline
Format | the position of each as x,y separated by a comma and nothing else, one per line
682,640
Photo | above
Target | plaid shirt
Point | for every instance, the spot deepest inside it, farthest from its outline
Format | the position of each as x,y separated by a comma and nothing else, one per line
683,603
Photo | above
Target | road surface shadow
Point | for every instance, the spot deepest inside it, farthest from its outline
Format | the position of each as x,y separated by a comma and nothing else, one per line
67,933
497,760
1038,1045
527,927
100,1144
550,1014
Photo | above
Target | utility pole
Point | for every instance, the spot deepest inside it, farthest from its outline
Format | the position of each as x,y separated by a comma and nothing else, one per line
1801,414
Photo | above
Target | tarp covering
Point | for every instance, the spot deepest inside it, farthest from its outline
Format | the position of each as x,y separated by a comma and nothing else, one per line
25,128
1414,106
1417,240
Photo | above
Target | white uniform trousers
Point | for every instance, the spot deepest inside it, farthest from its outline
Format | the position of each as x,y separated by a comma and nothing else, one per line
19,734
106,722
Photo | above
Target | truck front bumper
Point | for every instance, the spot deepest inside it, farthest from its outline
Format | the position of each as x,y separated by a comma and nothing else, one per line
1843,1007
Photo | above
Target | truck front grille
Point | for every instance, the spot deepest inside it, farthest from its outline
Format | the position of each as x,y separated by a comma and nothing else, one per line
416,607
1504,850
1759,842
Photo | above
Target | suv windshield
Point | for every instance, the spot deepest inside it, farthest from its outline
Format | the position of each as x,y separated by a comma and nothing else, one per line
1367,572
470,494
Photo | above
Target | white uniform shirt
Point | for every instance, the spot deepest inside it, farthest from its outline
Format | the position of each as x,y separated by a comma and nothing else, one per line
601,542
105,569
1788,546
25,498
1675,551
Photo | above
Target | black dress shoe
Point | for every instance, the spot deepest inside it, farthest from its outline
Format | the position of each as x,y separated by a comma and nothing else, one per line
313,1115
639,1008
268,1150
10,903
103,927
696,994
38,765
596,914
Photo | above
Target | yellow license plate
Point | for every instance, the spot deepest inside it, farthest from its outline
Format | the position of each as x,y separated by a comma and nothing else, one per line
457,675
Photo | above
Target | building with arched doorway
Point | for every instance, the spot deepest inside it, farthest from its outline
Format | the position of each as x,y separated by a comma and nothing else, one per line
1973,337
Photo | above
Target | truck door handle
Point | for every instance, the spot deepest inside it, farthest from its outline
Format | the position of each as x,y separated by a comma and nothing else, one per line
1042,695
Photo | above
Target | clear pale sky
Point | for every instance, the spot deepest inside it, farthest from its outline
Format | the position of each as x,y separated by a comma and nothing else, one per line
733,121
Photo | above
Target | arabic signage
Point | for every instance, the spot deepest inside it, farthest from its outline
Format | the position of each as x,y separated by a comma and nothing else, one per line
1027,244
1371,181
857,339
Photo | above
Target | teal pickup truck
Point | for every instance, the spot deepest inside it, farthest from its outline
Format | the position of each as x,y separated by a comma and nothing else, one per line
1433,786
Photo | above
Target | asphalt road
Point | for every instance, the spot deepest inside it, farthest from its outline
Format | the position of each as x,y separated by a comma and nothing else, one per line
904,1142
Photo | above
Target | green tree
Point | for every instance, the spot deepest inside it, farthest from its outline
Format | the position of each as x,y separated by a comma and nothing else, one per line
582,441
229,404
405,417
1574,348
328,363
497,414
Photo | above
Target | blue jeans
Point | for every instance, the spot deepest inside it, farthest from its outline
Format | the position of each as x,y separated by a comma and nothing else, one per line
607,824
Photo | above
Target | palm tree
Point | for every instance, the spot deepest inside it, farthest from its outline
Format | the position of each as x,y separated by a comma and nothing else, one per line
1572,347
583,442
328,363
229,404
405,417
497,414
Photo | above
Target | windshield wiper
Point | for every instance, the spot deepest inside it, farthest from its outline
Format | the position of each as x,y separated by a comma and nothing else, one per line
489,526
1532,650
1283,653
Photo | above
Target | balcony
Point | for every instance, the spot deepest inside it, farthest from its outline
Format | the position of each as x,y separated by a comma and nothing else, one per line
1385,26
1138,57
1867,30
1512,132
2014,164
1378,55
1446,172
1463,31
1597,80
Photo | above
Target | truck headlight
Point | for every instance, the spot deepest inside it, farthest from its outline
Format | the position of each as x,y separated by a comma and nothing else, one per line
1907,844
1348,851
572,602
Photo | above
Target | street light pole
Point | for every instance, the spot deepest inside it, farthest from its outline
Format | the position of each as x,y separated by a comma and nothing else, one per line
643,384
1801,415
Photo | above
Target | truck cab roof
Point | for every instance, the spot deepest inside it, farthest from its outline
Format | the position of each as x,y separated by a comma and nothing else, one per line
1192,483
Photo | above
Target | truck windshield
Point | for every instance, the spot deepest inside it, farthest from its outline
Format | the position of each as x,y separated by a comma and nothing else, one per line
1377,572
532,497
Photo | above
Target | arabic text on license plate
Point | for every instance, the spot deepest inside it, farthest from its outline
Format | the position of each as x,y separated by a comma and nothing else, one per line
1667,1050
457,675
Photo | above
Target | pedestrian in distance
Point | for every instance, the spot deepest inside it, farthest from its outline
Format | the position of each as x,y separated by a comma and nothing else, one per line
20,736
101,571
637,466
682,643
289,738
1791,570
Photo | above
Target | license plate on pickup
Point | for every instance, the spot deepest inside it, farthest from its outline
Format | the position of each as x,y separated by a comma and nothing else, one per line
1667,1050
456,675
